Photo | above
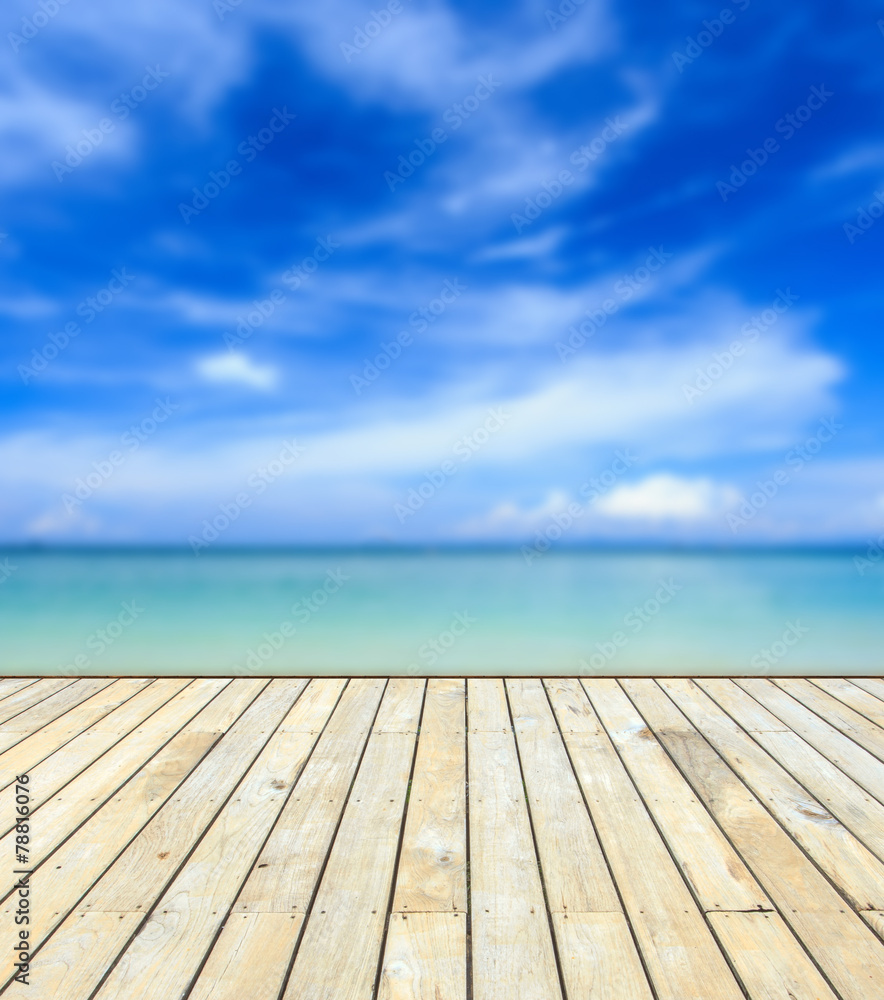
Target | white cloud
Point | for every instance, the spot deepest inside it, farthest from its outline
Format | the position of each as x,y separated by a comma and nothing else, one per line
237,367
666,496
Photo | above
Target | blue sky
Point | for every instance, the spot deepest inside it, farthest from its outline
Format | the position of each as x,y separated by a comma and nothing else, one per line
432,272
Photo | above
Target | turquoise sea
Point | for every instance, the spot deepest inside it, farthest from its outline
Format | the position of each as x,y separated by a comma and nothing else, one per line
349,611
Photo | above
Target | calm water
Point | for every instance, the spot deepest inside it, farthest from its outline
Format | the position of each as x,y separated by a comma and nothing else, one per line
351,612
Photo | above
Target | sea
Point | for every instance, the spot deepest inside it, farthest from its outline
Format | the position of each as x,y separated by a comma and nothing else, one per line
478,612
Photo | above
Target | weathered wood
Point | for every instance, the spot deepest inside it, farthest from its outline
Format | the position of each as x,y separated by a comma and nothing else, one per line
400,709
598,957
680,954
767,958
488,712
164,957
843,797
349,913
306,827
250,958
16,704
513,956
840,749
175,857
49,709
425,957
33,749
75,965
68,872
851,723
834,848
432,861
575,874
852,696
706,858
816,913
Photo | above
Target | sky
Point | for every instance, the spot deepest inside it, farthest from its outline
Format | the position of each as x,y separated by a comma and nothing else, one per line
438,272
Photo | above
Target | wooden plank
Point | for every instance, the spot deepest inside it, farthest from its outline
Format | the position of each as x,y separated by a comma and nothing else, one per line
163,958
250,958
512,947
276,700
432,861
401,705
874,685
843,797
815,912
138,876
852,696
851,758
680,954
849,863
56,818
573,711
768,959
66,875
46,711
30,751
851,723
708,862
753,716
425,957
350,719
236,704
312,708
307,824
14,705
876,921
598,957
488,712
9,686
49,709
76,966
52,774
350,910
575,873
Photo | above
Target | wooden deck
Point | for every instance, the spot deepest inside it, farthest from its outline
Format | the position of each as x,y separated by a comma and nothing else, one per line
218,839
